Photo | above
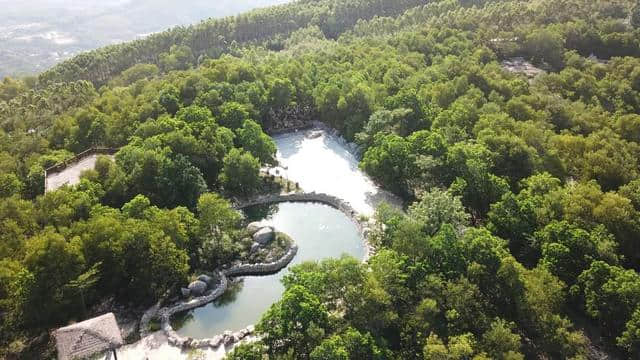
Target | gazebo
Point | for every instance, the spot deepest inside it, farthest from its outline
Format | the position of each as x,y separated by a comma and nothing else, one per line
88,338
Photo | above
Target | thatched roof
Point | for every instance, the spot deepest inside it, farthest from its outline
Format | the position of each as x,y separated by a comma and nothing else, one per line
89,337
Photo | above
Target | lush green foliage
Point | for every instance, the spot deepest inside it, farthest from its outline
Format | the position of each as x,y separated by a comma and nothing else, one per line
523,213
183,47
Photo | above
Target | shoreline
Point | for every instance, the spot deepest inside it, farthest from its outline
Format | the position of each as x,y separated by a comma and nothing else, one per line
364,227
222,343
229,338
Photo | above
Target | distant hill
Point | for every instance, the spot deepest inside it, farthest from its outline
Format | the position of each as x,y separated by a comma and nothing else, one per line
37,34
213,37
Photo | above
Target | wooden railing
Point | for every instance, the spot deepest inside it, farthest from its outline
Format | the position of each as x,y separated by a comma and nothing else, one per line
59,167
92,151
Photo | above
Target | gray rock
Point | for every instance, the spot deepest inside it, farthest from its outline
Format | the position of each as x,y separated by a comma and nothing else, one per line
264,235
205,278
198,287
254,227
228,338
216,341
199,343
244,333
185,292
255,247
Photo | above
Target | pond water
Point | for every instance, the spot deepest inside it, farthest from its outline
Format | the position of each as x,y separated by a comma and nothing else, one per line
323,164
319,230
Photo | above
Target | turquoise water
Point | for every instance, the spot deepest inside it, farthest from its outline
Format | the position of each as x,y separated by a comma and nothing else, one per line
319,230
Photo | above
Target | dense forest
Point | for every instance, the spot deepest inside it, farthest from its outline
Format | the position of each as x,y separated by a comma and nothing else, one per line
182,47
520,239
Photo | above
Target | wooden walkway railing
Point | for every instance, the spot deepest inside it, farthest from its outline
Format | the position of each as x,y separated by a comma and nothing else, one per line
59,167
92,151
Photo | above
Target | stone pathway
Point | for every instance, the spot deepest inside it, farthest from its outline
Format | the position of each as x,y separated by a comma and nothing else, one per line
70,175
156,347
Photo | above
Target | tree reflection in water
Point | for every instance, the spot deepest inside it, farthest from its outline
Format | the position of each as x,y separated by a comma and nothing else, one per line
261,212
231,294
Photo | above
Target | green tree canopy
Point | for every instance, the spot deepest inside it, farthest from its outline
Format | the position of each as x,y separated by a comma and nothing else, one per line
241,173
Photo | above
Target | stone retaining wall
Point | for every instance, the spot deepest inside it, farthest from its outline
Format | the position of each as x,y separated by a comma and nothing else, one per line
335,202
146,318
228,337
166,313
265,268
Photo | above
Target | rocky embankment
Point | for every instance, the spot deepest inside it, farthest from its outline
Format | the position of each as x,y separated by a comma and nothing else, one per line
363,226
207,289
353,148
293,118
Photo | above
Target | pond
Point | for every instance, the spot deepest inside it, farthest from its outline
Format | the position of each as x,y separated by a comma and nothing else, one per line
320,232
324,165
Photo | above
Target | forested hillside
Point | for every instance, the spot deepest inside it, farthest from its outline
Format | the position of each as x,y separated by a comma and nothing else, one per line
182,47
37,34
521,235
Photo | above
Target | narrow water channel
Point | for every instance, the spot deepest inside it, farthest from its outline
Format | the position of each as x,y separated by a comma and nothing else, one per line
319,230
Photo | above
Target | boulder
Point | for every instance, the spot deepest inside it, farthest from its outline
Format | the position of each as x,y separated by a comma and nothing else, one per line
195,344
216,341
253,227
197,287
185,292
206,279
243,333
264,235
227,338
173,341
255,247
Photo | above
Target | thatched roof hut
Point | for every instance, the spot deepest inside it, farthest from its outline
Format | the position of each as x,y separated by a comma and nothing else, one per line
87,338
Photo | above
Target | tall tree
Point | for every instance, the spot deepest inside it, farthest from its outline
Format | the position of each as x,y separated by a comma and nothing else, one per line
241,173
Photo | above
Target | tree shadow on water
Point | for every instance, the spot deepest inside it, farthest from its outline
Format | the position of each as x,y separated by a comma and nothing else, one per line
179,320
261,212
231,294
